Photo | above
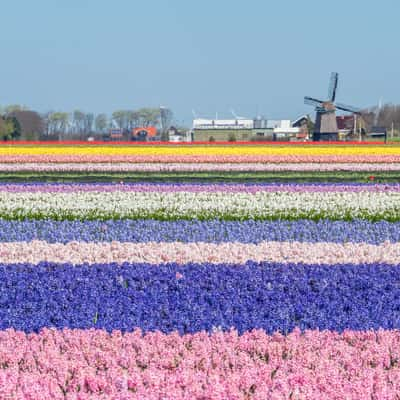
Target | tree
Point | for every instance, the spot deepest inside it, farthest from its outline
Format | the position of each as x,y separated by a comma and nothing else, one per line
78,118
368,119
57,123
6,129
232,137
149,116
14,107
166,116
46,121
387,116
31,124
133,119
310,126
120,118
88,123
9,128
16,132
101,123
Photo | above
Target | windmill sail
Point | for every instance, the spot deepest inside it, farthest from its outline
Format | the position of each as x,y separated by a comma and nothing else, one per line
313,102
333,86
344,107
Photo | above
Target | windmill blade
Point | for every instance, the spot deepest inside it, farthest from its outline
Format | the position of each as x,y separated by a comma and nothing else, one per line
333,86
313,102
235,115
347,108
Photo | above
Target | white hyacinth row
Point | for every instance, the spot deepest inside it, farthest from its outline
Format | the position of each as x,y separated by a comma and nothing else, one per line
187,205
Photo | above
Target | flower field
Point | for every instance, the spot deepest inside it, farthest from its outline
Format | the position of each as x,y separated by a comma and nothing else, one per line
197,167
111,289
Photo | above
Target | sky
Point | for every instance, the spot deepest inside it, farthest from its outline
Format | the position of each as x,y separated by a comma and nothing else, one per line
257,57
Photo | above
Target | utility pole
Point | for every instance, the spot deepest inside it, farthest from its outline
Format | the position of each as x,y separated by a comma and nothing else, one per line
355,128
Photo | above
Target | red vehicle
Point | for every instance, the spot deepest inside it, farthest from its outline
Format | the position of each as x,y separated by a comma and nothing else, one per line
144,133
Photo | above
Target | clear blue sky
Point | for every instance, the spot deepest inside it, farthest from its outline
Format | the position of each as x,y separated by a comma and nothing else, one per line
208,55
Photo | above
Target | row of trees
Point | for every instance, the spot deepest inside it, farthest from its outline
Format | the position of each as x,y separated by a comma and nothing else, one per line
17,121
387,116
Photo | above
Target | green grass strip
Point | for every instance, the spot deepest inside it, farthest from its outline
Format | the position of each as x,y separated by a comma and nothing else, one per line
298,176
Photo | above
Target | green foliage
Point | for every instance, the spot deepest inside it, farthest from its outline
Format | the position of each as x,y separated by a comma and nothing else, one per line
17,131
232,137
14,107
149,116
165,214
57,122
32,136
301,177
10,129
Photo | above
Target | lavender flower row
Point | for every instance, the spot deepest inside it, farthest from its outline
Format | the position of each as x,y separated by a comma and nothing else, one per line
196,167
186,231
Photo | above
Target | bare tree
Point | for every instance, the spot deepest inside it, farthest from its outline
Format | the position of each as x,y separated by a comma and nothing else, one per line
100,123
120,118
58,122
133,119
78,119
166,116
387,116
88,123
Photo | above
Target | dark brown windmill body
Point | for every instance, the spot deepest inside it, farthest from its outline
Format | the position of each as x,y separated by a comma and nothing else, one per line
326,128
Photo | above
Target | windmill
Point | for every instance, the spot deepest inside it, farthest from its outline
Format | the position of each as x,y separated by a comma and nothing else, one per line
325,123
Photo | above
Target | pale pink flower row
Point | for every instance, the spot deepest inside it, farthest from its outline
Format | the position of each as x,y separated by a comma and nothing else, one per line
182,253
78,364
195,167
206,158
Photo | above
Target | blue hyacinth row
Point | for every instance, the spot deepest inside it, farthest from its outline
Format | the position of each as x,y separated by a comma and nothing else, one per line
196,297
214,231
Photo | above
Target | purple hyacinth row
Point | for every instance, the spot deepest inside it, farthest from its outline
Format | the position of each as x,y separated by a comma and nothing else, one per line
213,231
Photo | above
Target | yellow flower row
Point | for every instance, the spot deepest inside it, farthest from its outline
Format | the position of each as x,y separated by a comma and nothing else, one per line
256,150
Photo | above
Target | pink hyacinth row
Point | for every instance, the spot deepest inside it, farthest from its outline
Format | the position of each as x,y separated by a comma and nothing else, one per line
79,364
182,253
196,167
206,158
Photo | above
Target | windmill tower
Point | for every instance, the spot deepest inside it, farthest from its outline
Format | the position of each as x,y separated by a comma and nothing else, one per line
325,123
